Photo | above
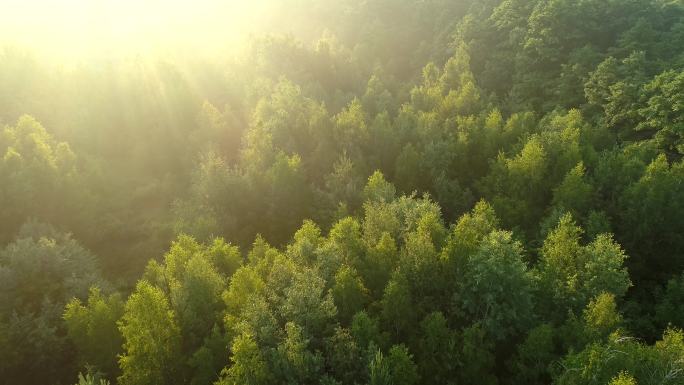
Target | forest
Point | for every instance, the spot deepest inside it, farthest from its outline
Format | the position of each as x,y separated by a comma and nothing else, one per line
376,192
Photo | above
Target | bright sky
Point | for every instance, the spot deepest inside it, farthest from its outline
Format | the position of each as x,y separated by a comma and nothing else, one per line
81,28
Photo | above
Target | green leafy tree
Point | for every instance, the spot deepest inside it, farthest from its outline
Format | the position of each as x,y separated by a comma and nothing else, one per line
468,232
571,274
532,362
650,208
601,316
647,364
623,379
305,243
93,330
437,354
295,363
90,379
152,339
662,112
670,303
378,189
575,193
398,312
40,272
396,368
497,288
341,195
197,300
366,331
35,167
476,357
245,285
248,366
345,357
307,304
346,241
207,361
349,293
377,266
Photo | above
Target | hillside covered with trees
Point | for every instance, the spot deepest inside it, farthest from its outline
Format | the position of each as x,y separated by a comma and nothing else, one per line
378,192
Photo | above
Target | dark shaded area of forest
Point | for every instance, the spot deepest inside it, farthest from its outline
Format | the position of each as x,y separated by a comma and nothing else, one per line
410,192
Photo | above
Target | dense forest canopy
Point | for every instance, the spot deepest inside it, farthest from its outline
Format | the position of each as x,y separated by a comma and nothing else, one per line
381,192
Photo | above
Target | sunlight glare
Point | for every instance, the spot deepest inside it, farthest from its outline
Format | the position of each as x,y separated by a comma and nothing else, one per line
82,28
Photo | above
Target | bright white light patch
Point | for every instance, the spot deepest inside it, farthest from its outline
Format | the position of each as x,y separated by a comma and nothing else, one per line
113,27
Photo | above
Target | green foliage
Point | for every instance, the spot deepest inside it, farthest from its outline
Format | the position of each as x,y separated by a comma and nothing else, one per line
305,303
378,265
349,294
426,192
476,357
93,330
295,362
40,268
670,304
570,274
152,339
32,345
651,208
366,331
305,243
574,194
532,362
207,361
249,366
601,363
90,379
193,278
662,112
395,368
377,189
601,316
497,288
623,379
345,357
39,273
437,357
397,307
35,167
244,287
470,229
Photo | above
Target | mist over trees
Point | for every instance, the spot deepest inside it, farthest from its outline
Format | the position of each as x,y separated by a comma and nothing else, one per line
397,192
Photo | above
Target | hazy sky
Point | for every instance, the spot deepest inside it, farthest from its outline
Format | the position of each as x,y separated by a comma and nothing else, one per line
84,28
